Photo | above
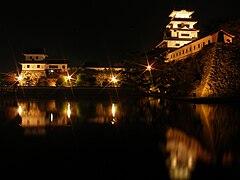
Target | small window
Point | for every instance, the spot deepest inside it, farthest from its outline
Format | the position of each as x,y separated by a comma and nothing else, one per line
38,66
28,66
177,44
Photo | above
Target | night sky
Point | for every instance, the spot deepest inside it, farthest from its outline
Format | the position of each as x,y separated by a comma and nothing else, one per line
104,31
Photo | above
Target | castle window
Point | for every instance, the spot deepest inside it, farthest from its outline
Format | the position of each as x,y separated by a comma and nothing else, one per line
209,41
183,25
198,45
28,66
63,67
38,66
194,47
177,44
185,34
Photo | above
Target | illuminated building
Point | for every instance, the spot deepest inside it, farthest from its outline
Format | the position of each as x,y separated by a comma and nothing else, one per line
180,30
37,65
197,45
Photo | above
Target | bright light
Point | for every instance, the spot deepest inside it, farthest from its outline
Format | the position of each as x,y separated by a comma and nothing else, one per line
19,110
113,121
114,79
68,110
51,117
19,78
68,77
113,109
149,68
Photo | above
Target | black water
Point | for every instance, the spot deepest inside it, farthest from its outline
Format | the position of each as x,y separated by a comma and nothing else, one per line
120,138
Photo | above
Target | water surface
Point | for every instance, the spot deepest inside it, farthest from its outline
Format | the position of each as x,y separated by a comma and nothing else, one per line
119,138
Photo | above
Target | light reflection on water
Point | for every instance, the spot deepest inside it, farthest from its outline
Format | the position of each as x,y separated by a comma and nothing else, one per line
186,134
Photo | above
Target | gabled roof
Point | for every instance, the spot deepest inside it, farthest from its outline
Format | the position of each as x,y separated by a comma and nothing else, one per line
35,51
175,13
230,35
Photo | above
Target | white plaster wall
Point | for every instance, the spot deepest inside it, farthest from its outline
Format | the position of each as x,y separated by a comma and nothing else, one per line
33,66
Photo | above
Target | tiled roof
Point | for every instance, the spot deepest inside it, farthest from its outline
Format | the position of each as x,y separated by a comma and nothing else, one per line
35,51
46,61
184,19
56,61
32,62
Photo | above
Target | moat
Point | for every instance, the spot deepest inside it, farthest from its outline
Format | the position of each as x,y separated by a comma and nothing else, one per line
118,138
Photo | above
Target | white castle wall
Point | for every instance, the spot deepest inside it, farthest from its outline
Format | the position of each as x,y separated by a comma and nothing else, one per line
195,46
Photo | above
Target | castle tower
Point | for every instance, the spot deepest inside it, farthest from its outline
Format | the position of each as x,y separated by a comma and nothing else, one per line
180,30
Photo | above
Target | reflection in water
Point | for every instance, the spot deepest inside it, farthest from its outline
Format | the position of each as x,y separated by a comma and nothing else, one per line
37,116
220,127
113,113
68,110
212,141
184,151
206,133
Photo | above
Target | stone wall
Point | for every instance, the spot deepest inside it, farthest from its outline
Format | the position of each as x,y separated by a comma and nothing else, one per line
221,73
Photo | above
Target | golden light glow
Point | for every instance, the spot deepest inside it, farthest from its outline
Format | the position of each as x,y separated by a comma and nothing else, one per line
19,110
114,79
34,118
114,108
183,150
19,78
51,117
68,77
69,110
149,68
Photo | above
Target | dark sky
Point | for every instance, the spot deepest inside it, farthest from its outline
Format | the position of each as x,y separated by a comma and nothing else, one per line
104,31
